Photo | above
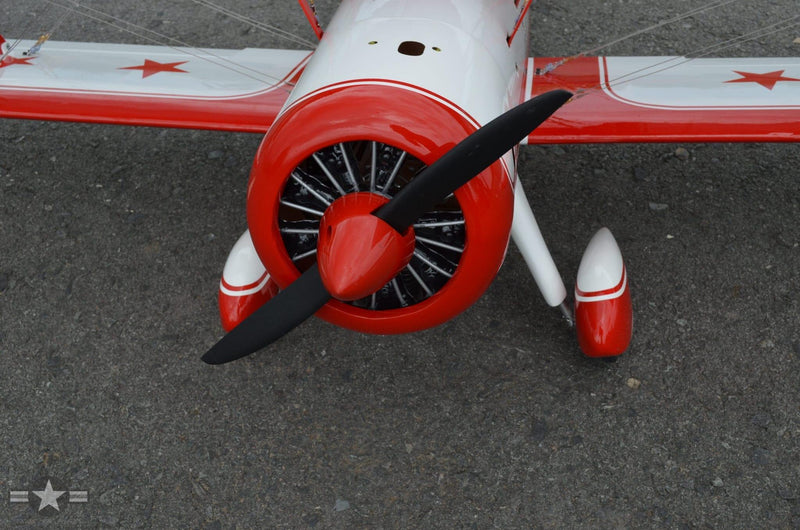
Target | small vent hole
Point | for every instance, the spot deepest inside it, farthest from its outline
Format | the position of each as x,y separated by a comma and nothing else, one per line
412,48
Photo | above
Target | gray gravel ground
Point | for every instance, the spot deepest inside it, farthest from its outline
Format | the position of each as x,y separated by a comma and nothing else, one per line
112,240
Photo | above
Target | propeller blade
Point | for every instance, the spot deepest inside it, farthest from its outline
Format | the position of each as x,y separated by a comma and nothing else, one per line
455,168
272,320
468,158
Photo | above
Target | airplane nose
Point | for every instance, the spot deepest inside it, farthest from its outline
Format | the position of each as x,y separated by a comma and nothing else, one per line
358,253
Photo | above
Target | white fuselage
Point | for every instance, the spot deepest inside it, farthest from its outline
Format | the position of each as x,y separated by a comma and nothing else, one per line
464,56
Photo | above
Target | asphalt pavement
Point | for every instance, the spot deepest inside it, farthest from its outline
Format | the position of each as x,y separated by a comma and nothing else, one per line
112,240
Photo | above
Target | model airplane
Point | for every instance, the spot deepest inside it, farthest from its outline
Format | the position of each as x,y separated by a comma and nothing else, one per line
384,193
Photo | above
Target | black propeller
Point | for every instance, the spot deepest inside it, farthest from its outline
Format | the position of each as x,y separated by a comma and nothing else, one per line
455,168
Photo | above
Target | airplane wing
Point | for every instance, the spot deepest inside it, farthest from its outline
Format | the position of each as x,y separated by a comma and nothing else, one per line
231,90
669,99
618,99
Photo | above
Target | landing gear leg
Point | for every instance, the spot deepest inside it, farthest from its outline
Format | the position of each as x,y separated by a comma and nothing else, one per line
603,315
528,238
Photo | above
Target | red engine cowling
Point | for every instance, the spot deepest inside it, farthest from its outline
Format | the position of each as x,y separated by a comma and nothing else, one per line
308,159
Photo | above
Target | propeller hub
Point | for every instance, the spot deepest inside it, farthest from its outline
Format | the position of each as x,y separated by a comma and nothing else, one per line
357,252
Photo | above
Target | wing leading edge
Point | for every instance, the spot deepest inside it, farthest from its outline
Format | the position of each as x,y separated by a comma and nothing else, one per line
670,99
232,90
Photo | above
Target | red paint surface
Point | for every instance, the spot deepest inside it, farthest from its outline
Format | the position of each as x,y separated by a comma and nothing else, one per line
357,252
234,309
425,128
249,113
154,67
767,80
592,116
605,327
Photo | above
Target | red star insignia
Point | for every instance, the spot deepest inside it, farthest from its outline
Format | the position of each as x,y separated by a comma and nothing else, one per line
767,80
154,67
8,61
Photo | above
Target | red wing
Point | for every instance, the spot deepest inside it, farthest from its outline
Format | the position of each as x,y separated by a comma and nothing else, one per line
670,99
232,90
